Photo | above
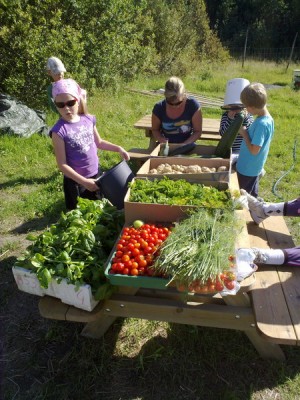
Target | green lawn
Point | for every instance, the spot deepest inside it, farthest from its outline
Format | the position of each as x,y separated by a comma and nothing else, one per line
136,359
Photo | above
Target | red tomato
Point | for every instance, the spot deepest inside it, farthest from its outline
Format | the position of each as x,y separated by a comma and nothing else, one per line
229,284
135,265
135,252
125,258
120,267
119,254
120,246
134,272
125,271
114,266
141,270
128,264
212,287
142,263
219,286
130,246
148,250
162,236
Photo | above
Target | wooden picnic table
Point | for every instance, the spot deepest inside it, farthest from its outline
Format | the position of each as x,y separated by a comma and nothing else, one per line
266,308
210,129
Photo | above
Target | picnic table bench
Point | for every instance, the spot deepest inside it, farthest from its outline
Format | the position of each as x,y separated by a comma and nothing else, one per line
210,129
266,308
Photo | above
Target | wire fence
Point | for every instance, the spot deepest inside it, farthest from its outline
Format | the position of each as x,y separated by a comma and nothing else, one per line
271,54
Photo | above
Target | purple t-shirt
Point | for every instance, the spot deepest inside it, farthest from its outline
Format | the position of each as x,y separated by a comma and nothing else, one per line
81,150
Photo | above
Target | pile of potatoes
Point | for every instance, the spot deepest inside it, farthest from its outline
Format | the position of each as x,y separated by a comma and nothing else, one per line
185,169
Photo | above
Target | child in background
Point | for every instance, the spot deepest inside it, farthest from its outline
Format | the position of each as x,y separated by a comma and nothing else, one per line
75,140
227,117
55,69
256,144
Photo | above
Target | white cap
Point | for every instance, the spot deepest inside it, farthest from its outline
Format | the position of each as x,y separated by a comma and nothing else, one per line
55,65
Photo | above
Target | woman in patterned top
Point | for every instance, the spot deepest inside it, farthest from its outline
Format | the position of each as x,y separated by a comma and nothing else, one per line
177,118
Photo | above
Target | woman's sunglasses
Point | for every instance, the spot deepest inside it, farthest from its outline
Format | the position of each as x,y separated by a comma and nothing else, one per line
70,103
174,104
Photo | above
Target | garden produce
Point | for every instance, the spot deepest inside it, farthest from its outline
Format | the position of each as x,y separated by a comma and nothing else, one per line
184,149
76,247
138,223
226,141
179,192
137,248
166,168
198,253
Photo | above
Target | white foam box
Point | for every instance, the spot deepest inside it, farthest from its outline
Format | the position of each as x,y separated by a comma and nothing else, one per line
199,150
28,282
160,212
203,177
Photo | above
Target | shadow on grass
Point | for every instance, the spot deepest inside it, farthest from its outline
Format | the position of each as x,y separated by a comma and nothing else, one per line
186,362
51,215
29,181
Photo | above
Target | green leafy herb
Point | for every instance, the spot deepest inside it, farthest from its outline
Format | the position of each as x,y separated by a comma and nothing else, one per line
77,246
199,246
178,192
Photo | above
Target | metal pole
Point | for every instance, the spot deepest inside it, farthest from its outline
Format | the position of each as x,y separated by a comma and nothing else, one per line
245,47
292,50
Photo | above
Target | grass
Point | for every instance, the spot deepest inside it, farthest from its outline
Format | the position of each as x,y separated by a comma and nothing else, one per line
136,359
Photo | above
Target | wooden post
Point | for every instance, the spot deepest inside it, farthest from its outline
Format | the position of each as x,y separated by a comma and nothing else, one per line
292,50
245,47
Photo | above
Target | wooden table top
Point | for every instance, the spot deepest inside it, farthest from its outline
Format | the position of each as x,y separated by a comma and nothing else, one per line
210,125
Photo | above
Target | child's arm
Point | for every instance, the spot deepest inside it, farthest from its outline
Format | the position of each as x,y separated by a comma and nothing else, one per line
105,145
60,154
253,148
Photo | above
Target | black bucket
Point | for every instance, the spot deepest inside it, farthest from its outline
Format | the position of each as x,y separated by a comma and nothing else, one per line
114,183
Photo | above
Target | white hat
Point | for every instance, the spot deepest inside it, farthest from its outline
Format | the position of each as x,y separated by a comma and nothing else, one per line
234,89
55,65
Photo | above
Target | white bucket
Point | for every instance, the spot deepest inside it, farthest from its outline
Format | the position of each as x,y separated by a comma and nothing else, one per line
234,88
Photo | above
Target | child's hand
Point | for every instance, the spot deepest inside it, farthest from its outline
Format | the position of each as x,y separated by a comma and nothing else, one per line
124,154
91,185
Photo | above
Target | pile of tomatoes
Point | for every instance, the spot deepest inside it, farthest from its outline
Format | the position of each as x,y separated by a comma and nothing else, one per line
137,248
226,280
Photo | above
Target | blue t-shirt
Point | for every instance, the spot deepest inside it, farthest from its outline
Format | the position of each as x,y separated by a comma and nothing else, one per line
179,129
260,133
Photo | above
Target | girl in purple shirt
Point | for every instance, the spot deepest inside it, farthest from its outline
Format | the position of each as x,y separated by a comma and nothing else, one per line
76,141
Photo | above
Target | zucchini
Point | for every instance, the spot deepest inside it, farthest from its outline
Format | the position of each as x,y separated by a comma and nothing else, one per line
226,141
184,149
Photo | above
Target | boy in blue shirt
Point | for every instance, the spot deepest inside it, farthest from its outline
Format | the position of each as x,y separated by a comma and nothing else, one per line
257,138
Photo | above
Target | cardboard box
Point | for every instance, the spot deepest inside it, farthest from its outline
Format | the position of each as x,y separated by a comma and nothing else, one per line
160,212
203,177
199,150
28,282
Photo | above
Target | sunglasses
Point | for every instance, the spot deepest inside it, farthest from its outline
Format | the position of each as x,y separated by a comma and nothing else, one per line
174,104
69,103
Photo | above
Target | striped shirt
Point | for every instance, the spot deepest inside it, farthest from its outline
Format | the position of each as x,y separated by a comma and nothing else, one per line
224,124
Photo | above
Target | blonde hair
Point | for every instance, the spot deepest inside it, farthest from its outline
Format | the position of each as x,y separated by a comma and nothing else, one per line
174,88
254,95
82,107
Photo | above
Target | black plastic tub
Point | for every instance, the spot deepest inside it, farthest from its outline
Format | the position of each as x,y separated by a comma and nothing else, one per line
113,183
